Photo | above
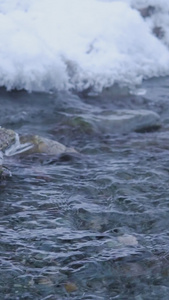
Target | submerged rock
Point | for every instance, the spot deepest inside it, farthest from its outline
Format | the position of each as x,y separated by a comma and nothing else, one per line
124,121
128,240
70,287
44,145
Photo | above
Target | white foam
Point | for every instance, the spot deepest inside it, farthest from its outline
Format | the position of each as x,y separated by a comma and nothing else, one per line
52,44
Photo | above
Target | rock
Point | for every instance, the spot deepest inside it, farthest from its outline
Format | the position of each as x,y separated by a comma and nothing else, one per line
128,240
44,145
7,138
10,143
45,281
70,287
124,121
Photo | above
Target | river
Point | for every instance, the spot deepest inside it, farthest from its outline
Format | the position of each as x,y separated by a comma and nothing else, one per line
92,225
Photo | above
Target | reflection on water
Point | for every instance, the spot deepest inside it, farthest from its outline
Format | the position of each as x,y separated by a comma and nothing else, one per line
87,226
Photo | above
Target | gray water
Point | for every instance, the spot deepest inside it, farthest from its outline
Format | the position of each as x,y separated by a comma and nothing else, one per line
63,219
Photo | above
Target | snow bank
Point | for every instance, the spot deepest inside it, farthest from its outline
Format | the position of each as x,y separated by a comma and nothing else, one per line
76,44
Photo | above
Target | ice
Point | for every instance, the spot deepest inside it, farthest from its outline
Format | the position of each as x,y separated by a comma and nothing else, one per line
17,147
78,44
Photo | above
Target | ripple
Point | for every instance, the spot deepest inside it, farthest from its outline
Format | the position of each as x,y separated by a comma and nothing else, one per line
63,219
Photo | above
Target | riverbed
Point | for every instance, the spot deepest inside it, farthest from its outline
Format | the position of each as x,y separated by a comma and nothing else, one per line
92,225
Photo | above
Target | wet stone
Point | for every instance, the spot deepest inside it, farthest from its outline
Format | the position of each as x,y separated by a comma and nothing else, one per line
125,121
12,144
70,287
44,281
44,145
7,138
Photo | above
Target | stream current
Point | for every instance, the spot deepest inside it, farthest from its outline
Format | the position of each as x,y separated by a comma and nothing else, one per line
93,225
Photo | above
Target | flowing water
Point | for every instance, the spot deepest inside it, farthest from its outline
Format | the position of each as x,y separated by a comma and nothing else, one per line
93,225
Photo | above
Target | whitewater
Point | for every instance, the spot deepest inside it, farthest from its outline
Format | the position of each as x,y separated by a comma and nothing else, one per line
50,45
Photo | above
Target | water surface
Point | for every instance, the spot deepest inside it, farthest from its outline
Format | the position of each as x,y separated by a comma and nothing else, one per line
63,219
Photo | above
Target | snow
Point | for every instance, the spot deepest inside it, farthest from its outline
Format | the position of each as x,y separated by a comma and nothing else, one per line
77,44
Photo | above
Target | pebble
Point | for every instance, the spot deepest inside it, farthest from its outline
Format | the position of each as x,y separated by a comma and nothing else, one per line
70,287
